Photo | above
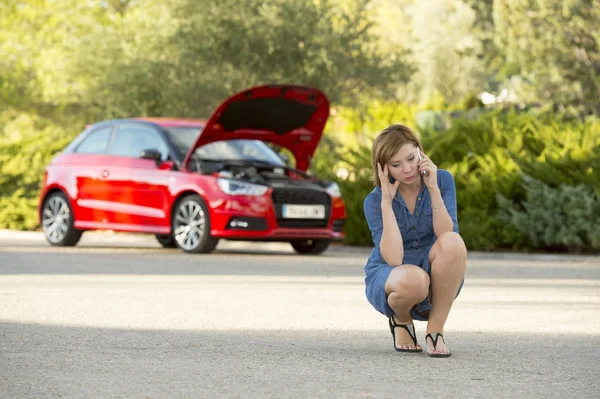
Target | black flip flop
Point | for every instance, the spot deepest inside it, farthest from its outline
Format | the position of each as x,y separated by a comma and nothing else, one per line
410,328
435,342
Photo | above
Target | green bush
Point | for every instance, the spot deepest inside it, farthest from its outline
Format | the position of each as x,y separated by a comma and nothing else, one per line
489,157
28,143
561,218
18,211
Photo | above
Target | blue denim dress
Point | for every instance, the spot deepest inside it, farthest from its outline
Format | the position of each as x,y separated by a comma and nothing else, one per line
417,236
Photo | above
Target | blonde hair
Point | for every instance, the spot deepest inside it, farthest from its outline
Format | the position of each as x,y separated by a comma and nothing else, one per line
387,144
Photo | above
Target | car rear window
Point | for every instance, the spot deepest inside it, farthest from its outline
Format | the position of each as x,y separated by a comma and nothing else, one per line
96,142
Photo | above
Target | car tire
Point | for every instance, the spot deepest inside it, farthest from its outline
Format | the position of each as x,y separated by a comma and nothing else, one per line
191,225
166,240
310,247
58,221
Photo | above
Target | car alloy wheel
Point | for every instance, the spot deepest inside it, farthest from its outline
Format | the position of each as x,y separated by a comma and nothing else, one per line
57,221
191,226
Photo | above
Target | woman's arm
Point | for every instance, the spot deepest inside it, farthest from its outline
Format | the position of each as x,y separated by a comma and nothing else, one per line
391,246
442,222
443,204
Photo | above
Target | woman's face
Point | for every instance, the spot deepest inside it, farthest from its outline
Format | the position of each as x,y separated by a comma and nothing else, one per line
403,165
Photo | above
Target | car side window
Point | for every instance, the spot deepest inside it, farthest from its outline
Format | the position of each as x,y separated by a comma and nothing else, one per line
130,141
96,142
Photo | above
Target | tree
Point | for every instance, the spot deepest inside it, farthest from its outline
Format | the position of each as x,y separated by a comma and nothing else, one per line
491,56
445,50
554,48
225,48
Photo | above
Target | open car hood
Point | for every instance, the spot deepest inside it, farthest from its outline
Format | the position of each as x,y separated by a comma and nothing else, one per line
289,116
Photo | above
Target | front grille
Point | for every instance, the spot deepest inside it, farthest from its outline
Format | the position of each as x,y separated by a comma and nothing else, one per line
304,196
301,196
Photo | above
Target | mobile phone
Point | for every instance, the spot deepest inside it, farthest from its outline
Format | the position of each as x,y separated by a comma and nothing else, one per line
420,159
392,180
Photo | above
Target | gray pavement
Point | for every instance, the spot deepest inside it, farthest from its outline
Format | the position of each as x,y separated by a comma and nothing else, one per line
119,317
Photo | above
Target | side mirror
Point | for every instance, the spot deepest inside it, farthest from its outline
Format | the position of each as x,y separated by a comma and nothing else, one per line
167,165
152,154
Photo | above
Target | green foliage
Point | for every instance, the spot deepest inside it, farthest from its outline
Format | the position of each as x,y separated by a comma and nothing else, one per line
355,183
564,154
358,126
555,218
443,46
27,144
489,156
553,50
18,211
478,178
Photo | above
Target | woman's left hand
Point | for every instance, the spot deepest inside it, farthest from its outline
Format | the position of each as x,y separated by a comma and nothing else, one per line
426,165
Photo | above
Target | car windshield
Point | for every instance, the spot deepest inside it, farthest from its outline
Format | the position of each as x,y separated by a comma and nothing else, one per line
227,150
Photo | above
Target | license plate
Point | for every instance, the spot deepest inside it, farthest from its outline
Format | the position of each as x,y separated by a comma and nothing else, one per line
303,211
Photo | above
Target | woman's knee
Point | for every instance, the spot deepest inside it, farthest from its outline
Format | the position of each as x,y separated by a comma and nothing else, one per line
451,245
408,281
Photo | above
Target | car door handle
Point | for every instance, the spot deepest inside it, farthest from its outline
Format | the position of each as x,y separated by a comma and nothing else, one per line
105,174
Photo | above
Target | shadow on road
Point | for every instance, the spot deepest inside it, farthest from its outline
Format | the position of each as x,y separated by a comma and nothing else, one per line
51,361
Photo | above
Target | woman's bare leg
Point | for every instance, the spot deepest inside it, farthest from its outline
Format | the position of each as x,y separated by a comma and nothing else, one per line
406,286
448,259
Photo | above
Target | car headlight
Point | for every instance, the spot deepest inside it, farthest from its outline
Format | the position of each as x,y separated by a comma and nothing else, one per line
334,190
234,187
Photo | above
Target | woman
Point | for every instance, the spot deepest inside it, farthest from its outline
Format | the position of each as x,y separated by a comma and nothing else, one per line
417,266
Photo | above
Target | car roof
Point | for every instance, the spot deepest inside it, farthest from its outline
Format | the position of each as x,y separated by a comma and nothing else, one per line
162,122
167,122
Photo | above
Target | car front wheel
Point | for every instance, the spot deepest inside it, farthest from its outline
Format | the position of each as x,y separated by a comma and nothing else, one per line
57,221
310,247
191,226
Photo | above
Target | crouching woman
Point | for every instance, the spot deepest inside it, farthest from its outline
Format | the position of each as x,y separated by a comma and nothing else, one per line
417,265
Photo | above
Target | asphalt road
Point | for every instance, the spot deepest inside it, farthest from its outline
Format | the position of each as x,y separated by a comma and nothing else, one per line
119,317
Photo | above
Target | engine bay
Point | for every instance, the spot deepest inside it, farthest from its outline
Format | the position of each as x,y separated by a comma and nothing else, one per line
258,173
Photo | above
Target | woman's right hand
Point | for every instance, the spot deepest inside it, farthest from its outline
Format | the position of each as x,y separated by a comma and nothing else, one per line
388,190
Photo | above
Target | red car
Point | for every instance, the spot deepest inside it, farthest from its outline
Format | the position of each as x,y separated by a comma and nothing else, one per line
193,182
